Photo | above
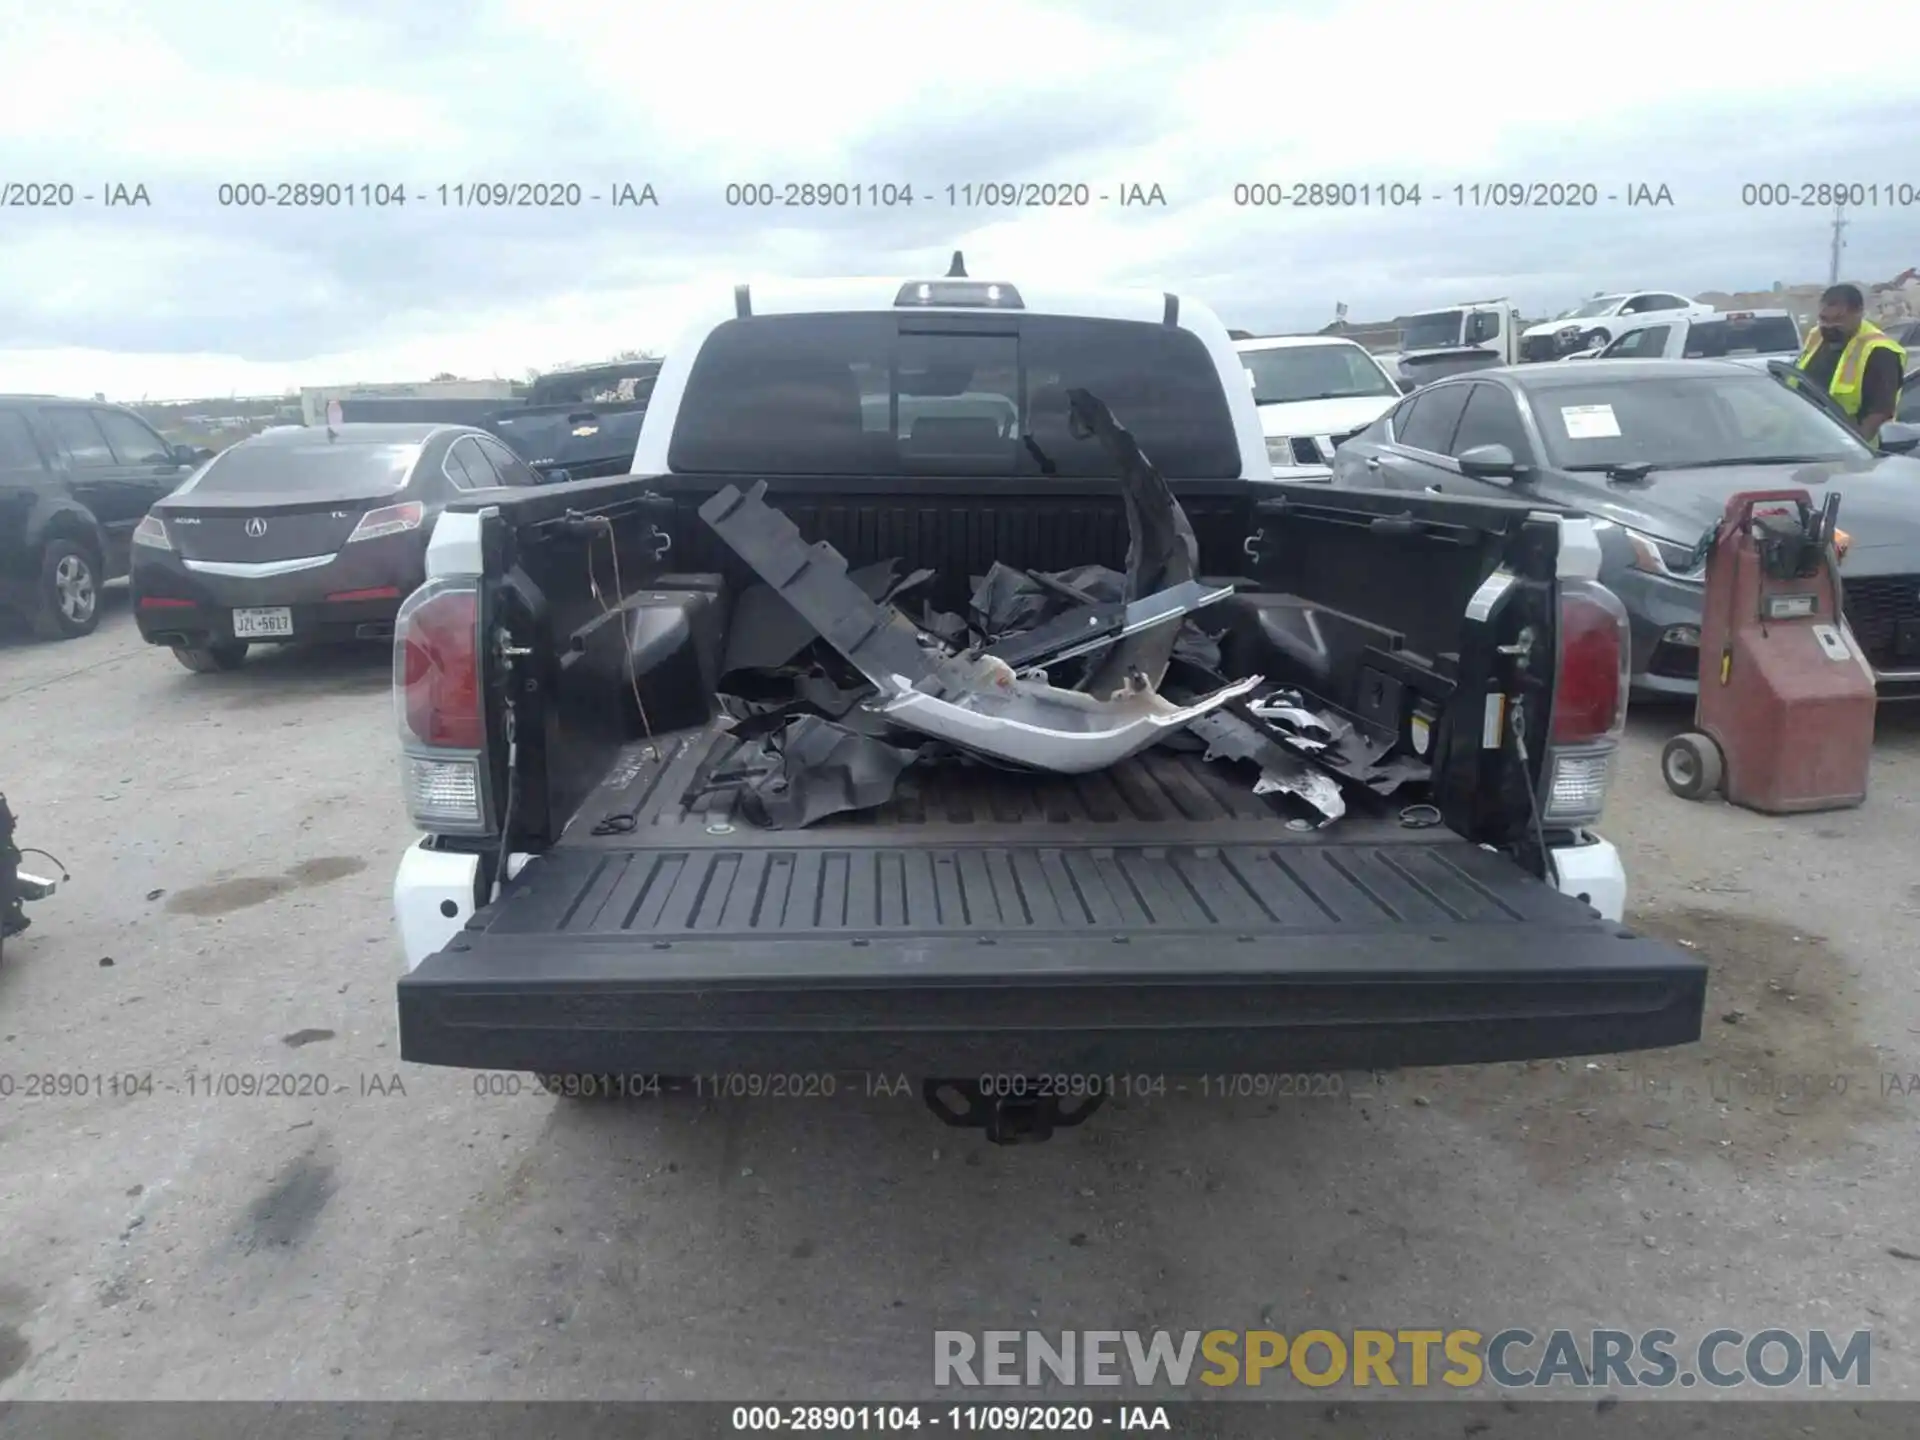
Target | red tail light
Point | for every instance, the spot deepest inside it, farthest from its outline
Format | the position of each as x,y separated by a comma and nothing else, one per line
1590,700
160,602
389,520
1589,703
436,646
378,592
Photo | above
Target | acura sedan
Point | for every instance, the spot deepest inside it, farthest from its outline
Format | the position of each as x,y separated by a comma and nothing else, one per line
1652,449
303,534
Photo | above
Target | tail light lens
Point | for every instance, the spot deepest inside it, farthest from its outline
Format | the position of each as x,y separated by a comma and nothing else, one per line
152,530
438,704
1589,702
389,520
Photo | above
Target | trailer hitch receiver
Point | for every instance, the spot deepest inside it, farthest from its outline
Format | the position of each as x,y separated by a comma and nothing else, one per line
1027,1116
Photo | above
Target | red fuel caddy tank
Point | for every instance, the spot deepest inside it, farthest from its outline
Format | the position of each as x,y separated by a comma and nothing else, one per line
1787,699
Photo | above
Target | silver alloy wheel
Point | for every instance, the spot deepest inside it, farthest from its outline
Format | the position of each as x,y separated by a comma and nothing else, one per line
73,589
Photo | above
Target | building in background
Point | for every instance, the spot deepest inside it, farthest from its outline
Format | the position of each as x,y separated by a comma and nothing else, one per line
454,401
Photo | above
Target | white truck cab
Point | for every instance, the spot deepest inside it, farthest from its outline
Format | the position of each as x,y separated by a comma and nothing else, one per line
1471,335
1747,337
954,300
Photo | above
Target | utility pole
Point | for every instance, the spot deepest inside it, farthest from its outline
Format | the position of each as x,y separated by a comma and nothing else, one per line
1839,243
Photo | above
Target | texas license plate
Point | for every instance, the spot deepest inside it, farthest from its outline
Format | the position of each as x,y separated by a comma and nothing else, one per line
271,622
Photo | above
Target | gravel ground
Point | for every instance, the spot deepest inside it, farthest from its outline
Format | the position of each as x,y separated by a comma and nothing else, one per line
232,839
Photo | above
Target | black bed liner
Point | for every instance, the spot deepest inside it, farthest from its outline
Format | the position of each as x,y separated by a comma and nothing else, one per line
1157,916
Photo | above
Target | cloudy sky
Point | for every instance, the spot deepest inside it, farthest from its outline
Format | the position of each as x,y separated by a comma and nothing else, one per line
189,297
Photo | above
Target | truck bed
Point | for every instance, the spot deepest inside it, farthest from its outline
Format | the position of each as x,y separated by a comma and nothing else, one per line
1156,916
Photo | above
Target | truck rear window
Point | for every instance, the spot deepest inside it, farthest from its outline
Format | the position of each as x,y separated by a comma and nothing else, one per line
1764,335
884,394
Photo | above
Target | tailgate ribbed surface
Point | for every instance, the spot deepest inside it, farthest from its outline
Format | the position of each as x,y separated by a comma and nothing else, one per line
1164,844
771,893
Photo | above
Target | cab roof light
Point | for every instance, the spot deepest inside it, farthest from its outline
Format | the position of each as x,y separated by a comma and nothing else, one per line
978,294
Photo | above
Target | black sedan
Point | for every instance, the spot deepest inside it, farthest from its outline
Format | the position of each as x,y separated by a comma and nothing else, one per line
303,534
1651,449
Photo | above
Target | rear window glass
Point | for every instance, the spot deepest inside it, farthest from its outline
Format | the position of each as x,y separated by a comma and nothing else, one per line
878,394
297,469
1764,335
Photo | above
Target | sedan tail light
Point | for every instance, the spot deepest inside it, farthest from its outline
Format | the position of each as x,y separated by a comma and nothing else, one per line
389,520
152,530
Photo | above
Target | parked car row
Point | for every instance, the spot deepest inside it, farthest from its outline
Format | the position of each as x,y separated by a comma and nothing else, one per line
295,533
298,533
1652,450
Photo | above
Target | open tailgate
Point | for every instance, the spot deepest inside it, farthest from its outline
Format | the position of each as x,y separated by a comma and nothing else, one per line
1066,943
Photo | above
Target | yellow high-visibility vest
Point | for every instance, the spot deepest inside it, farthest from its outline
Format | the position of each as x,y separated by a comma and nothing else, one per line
1845,386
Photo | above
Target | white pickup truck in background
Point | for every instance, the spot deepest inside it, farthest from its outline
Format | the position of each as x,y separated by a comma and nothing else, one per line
1473,335
1752,337
1313,391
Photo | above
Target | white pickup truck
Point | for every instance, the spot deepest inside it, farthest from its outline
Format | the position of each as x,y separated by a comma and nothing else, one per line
1473,335
586,905
1751,337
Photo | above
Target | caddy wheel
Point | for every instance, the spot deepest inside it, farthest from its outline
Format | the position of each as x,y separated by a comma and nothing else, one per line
1691,765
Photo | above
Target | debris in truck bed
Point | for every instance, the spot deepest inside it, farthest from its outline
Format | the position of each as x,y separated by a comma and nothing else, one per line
833,690
880,642
767,632
812,769
1230,736
1338,744
1161,550
1041,726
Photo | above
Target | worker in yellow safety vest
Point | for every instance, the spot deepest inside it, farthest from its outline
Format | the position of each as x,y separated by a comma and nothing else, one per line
1858,362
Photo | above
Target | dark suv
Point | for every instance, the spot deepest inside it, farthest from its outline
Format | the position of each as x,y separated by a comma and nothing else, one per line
76,476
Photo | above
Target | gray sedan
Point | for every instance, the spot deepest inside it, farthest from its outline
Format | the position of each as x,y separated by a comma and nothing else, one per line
1651,449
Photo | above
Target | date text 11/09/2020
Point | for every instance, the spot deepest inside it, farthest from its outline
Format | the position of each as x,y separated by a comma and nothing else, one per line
831,1085
1477,195
1015,1419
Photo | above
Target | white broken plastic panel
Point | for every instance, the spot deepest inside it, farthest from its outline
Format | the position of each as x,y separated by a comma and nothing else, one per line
1310,731
1317,788
1031,723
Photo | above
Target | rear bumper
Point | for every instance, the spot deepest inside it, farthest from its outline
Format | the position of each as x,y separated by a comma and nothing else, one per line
353,595
970,1005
